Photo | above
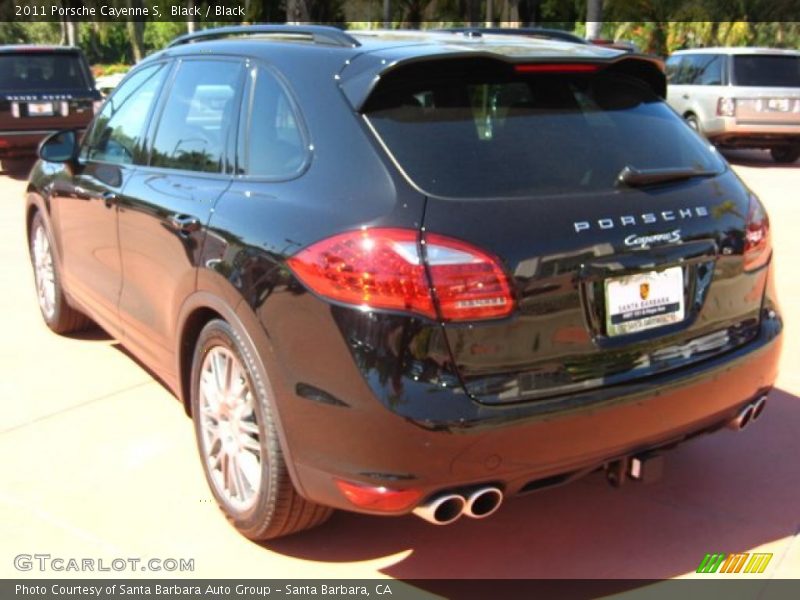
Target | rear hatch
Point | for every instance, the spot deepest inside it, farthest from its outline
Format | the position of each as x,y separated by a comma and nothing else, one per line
42,89
767,88
622,233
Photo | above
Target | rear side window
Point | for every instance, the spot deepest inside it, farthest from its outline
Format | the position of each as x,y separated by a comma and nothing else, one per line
709,69
763,70
494,133
272,141
117,135
42,72
198,119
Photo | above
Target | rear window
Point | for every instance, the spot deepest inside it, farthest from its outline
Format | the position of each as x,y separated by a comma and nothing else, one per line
41,72
766,71
459,131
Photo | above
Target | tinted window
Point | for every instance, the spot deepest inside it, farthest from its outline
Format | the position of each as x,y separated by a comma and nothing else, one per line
709,70
672,68
274,146
691,67
42,72
766,71
197,122
518,135
118,132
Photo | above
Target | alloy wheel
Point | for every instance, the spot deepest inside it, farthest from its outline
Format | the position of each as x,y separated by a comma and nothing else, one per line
230,433
43,272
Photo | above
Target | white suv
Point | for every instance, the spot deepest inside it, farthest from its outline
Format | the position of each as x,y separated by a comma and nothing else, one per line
740,97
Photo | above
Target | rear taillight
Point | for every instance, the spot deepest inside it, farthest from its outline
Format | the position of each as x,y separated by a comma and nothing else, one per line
556,68
383,269
726,107
757,246
378,497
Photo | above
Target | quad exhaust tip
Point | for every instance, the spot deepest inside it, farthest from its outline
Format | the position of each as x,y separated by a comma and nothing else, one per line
442,510
483,502
448,508
748,414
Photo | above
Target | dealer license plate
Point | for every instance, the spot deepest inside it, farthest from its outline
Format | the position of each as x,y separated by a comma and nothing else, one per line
40,109
779,105
643,301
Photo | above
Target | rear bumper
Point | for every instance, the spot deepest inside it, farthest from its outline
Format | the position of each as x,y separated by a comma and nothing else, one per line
512,446
730,131
21,143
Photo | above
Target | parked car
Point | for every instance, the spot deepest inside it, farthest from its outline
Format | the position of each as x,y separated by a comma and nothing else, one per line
42,89
740,97
542,33
409,282
107,83
624,45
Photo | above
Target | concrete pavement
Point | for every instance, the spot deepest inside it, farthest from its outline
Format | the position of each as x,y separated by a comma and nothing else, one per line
100,462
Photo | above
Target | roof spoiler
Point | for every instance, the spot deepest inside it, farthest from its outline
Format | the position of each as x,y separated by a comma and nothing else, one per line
359,79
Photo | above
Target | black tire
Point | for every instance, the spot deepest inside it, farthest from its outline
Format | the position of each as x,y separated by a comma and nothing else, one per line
60,316
691,121
785,154
277,509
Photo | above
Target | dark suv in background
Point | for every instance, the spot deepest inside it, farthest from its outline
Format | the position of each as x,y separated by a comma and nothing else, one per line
399,272
42,89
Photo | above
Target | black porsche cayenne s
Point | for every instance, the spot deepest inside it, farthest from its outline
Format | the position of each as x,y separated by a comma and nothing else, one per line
410,272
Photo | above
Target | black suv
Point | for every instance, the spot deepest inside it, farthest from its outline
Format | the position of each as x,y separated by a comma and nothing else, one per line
42,89
410,272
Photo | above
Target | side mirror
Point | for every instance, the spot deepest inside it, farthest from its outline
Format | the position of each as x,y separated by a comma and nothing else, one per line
59,147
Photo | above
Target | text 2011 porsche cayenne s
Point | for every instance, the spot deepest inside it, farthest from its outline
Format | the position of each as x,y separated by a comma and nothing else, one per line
405,272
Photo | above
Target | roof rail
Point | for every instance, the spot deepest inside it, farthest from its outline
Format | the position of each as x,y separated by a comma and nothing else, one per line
319,34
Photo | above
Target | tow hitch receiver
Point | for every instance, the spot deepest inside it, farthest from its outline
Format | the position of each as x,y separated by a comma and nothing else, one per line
646,467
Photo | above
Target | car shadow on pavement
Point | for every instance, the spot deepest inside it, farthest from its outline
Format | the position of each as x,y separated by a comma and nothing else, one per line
755,158
726,492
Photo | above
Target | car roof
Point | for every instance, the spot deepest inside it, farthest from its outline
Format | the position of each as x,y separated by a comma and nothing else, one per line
738,50
250,40
33,48
357,59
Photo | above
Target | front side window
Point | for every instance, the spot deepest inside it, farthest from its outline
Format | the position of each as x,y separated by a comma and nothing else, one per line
673,70
273,141
475,133
118,133
197,122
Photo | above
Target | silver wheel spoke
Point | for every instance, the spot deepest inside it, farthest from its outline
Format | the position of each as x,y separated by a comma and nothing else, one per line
44,272
230,434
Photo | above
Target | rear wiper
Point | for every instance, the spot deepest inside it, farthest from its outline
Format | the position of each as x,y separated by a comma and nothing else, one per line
634,177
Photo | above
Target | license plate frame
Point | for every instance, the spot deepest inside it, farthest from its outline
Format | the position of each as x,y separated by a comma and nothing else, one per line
643,301
41,109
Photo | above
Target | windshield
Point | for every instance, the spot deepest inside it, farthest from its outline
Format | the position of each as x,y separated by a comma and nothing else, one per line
41,72
473,134
762,70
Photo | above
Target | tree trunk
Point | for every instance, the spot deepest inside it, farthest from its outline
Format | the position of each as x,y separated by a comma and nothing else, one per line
136,33
297,11
387,14
191,26
594,18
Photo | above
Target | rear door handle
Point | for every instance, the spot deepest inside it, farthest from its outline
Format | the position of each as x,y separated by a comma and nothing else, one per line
184,224
686,96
